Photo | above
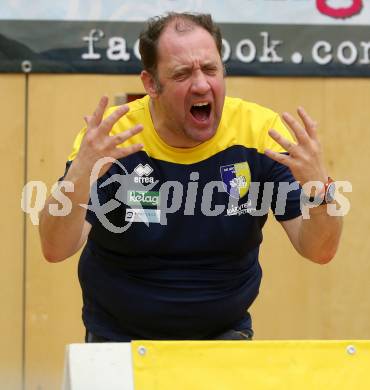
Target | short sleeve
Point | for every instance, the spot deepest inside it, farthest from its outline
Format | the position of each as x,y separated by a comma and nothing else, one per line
286,196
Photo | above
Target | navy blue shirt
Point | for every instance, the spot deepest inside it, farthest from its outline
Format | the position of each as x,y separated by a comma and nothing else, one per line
176,254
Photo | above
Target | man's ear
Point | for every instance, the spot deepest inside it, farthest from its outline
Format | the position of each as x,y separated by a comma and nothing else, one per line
149,83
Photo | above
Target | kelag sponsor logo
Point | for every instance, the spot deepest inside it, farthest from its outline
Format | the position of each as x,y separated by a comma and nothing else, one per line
150,198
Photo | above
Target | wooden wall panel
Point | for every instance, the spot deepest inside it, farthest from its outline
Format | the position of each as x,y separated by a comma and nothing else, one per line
53,316
298,299
12,114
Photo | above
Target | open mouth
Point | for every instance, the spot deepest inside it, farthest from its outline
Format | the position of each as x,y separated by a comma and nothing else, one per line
201,111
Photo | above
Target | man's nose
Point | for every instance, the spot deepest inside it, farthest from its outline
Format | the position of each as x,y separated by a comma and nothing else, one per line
200,83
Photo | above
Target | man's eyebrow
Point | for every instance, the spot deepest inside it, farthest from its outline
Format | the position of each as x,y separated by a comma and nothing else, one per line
186,68
178,70
209,63
181,68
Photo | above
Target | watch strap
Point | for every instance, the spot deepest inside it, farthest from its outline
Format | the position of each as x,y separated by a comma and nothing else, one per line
323,197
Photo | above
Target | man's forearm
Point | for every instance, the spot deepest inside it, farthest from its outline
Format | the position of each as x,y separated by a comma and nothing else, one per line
319,235
62,236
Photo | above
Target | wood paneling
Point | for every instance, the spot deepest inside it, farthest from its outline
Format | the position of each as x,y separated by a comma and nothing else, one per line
53,317
12,114
299,299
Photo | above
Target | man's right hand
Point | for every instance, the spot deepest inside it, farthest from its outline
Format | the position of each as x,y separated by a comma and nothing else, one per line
97,143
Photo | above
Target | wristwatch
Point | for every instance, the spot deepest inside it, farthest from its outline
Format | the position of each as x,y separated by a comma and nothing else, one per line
326,195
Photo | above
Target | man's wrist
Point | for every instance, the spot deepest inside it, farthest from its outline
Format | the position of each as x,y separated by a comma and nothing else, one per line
322,196
78,172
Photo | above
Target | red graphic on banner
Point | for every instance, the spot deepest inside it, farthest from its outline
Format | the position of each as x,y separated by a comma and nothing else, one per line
342,13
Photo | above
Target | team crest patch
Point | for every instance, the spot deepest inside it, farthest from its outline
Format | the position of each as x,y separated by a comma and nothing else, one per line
236,179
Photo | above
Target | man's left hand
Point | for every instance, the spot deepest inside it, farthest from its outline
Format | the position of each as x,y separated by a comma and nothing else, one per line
304,157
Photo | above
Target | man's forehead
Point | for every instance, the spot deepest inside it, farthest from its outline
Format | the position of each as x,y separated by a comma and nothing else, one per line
181,25
175,46
178,33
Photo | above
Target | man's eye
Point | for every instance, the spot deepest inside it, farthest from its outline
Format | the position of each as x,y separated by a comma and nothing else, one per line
180,76
210,71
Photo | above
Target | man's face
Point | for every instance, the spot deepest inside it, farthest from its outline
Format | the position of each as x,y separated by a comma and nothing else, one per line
190,72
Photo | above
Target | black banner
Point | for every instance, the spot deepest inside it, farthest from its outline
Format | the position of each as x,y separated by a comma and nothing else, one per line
248,49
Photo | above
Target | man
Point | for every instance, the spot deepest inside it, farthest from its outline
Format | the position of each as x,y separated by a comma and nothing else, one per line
178,258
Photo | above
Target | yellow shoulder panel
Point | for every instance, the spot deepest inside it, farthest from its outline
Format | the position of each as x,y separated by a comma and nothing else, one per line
135,116
242,123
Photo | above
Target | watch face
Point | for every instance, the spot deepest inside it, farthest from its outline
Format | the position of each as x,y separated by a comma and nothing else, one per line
330,193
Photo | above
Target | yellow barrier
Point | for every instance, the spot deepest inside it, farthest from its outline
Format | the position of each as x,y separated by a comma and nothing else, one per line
241,365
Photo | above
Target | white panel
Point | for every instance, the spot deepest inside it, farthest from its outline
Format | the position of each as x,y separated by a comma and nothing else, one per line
97,366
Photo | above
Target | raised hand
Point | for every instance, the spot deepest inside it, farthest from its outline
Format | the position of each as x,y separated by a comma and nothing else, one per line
97,143
304,157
